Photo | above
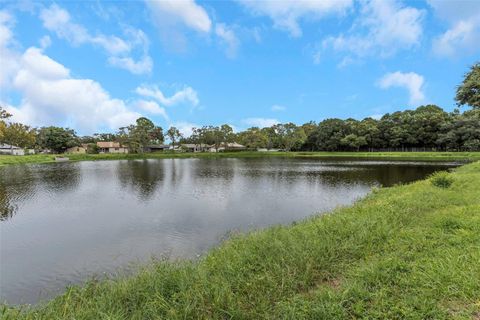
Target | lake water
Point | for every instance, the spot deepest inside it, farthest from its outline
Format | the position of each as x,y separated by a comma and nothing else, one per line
66,222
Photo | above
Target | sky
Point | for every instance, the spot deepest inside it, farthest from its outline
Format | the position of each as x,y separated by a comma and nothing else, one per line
95,66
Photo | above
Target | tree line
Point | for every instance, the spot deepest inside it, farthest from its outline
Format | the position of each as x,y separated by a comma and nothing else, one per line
427,127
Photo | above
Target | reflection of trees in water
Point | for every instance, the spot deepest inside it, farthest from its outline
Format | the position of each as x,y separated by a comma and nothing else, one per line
16,185
7,209
143,176
58,177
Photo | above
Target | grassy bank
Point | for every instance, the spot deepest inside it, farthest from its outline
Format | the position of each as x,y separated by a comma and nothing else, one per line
423,156
407,252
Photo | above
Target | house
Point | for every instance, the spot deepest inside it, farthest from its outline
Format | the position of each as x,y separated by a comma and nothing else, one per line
192,147
12,150
111,147
230,146
79,149
157,147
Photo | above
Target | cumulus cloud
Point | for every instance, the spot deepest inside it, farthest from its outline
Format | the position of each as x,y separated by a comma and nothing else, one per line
9,58
174,18
59,21
278,108
152,107
50,95
186,12
463,35
260,122
411,81
286,14
186,95
185,128
229,38
382,28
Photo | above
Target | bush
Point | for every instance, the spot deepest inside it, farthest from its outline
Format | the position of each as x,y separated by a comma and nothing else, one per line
441,179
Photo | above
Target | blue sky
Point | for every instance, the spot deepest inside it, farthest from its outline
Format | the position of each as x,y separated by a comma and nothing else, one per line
96,65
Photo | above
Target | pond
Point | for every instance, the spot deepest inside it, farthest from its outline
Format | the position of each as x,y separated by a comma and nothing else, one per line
63,223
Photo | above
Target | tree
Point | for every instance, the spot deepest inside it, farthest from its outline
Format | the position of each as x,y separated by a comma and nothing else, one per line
253,138
17,134
56,139
468,92
174,135
139,135
353,141
226,134
4,114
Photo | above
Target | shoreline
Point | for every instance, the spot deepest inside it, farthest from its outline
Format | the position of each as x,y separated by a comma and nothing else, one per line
408,251
399,156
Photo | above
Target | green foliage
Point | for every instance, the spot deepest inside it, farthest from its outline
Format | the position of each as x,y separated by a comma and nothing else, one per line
17,134
174,135
442,179
56,139
407,252
468,92
139,135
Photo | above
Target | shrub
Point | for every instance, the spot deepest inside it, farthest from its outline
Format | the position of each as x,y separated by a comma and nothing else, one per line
441,179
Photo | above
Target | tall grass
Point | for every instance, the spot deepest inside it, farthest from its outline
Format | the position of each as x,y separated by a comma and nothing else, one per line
406,252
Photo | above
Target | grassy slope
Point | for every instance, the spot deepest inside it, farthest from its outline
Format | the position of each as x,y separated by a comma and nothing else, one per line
428,156
407,252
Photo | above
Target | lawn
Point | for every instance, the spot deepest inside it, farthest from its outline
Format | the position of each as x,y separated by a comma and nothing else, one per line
423,156
406,252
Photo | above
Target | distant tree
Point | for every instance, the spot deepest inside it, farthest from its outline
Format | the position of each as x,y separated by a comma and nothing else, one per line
141,134
92,148
17,134
462,133
104,137
174,135
227,135
468,92
56,139
4,114
353,141
252,138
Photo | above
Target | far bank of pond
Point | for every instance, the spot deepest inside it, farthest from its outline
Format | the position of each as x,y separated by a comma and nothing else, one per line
400,156
409,251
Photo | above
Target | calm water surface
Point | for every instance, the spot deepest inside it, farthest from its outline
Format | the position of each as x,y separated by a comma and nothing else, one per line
66,222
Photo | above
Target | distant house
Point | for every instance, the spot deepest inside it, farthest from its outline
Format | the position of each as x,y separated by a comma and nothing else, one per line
12,150
192,147
111,147
157,147
78,149
230,146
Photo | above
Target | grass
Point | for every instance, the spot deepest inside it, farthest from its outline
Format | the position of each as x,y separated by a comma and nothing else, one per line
421,156
406,252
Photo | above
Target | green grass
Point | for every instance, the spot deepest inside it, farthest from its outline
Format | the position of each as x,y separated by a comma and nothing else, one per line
423,156
406,252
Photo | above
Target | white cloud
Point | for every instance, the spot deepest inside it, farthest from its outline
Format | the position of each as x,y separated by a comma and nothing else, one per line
286,14
229,38
411,81
152,107
6,23
144,65
277,108
186,95
463,36
260,122
45,42
382,28
9,58
59,21
51,96
185,128
186,12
